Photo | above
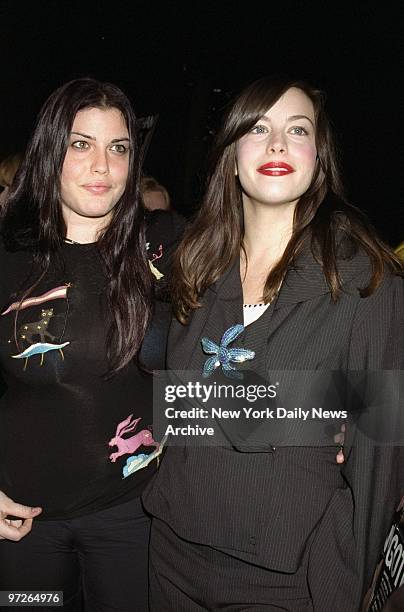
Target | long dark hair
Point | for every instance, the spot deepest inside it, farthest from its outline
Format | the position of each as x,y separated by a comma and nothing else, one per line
32,219
321,215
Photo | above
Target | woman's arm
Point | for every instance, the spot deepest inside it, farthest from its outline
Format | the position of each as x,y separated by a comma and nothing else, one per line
350,537
15,529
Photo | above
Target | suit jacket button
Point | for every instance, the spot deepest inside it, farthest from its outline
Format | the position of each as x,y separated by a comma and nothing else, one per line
252,541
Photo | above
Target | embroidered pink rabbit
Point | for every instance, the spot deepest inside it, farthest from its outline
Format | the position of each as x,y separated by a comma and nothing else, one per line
130,445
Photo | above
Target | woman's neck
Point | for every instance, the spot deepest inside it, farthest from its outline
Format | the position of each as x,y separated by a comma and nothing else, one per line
84,230
267,231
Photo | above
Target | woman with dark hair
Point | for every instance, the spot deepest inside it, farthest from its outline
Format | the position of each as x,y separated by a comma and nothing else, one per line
281,268
77,345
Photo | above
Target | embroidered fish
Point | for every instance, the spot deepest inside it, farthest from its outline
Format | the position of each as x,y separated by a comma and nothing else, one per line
53,294
138,462
39,348
223,356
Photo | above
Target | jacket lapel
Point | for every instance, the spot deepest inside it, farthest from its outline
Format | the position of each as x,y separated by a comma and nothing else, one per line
222,307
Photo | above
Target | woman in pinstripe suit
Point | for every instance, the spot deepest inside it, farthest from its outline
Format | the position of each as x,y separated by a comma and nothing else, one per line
267,527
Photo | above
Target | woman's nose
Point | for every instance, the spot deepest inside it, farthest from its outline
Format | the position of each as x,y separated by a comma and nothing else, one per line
276,143
100,162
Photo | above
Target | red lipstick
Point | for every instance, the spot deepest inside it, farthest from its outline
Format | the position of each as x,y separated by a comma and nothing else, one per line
275,168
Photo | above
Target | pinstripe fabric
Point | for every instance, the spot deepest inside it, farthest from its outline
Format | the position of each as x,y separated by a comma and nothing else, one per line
264,507
221,582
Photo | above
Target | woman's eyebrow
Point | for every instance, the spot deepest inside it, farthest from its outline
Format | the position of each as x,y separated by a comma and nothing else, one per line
294,117
291,118
94,138
84,135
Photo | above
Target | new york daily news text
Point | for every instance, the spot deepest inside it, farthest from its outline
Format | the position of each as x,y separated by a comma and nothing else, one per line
287,408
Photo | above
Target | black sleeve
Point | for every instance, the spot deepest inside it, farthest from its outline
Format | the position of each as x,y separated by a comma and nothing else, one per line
357,519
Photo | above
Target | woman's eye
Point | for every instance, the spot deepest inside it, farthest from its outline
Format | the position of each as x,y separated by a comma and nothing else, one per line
299,131
259,129
119,148
80,145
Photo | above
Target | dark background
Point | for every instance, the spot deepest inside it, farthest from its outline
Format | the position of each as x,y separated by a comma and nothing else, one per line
184,62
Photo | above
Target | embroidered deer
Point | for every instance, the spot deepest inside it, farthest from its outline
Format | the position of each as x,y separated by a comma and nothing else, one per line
128,446
27,331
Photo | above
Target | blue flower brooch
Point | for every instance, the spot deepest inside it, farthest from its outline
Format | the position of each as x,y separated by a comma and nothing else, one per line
224,357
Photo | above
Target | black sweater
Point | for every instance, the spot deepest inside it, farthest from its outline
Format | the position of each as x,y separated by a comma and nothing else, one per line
57,412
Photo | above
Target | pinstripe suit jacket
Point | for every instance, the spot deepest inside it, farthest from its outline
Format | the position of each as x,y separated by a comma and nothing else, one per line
273,508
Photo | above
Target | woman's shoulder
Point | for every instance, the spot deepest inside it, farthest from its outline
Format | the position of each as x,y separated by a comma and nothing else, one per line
14,267
10,255
360,255
357,274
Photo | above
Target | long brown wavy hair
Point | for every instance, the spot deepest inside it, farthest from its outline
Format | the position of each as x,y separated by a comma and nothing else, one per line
213,241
